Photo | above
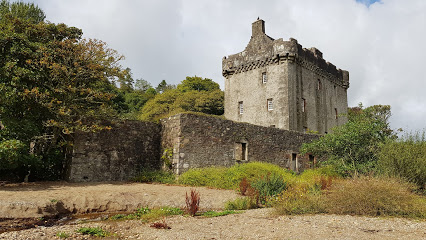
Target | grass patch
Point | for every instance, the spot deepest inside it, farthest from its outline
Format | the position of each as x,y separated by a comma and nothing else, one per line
154,175
230,178
375,197
62,235
148,215
219,214
367,196
97,231
243,203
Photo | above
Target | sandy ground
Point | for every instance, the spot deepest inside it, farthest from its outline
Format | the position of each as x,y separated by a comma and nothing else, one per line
38,199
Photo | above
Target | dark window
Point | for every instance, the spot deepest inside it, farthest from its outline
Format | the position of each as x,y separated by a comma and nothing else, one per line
319,85
243,151
240,107
336,114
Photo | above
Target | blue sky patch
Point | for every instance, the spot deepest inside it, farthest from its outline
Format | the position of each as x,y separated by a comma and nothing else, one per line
367,2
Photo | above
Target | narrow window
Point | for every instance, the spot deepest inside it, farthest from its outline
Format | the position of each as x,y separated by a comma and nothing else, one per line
270,105
305,129
319,85
303,105
243,151
272,126
312,160
240,107
264,78
335,112
294,166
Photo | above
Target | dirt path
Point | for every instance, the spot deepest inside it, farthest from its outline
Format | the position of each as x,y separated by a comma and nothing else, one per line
28,199
48,199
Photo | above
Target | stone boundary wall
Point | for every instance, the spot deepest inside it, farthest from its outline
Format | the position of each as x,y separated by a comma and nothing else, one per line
115,155
200,141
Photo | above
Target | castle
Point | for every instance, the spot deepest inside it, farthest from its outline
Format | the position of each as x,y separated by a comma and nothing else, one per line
275,91
276,83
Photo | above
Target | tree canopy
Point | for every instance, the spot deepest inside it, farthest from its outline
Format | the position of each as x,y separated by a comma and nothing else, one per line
194,94
52,82
353,147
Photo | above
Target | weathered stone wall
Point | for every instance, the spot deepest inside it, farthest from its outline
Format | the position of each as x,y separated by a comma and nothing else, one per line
115,155
200,141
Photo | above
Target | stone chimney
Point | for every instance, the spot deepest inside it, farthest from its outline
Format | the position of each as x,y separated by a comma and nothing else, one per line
258,27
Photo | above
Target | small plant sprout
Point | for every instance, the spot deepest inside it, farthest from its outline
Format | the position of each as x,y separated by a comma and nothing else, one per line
192,202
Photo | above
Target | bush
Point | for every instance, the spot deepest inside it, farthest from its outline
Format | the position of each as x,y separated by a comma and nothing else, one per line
298,199
154,175
405,159
208,177
230,178
374,197
269,186
241,204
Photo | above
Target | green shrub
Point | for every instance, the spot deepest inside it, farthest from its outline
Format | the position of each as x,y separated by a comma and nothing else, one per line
241,204
209,177
154,175
97,231
405,159
269,186
298,199
374,197
230,178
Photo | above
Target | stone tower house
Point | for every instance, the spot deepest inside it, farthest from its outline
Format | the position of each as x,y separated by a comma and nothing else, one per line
277,83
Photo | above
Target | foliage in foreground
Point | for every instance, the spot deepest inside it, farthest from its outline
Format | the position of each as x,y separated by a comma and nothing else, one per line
219,213
155,175
148,215
359,196
243,203
230,178
353,147
405,158
97,231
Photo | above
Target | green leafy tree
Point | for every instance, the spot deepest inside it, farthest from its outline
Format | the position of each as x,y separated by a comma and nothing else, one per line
164,86
353,147
197,84
26,11
186,98
52,82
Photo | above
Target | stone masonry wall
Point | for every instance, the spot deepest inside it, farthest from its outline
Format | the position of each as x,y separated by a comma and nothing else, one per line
115,155
201,141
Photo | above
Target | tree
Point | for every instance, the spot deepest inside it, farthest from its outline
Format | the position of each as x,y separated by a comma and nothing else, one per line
52,82
197,84
185,98
25,11
164,86
353,147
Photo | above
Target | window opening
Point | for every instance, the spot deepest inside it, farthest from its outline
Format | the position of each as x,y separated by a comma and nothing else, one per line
335,112
319,85
240,107
303,105
294,162
264,78
270,104
243,151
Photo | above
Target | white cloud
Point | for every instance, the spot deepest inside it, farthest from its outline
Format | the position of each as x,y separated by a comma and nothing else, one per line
380,45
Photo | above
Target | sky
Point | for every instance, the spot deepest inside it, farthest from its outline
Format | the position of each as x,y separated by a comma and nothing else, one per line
381,43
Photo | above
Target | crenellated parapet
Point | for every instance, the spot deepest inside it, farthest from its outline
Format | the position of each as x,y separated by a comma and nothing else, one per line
262,51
